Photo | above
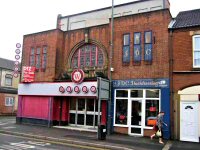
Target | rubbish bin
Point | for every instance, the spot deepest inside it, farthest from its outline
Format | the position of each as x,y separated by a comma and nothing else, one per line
101,132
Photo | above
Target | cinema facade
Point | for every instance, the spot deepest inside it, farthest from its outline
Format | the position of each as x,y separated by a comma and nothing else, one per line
72,86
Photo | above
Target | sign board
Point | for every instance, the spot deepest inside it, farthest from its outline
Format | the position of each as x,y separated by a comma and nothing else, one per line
28,74
78,76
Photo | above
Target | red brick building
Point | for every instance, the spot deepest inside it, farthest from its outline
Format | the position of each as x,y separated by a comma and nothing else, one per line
140,69
185,71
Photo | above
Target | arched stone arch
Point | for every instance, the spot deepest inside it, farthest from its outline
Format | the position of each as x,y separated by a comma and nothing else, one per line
90,41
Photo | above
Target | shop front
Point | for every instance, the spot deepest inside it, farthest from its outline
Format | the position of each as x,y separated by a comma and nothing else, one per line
137,103
80,105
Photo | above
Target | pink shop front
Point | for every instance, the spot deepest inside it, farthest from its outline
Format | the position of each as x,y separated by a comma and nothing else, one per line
64,104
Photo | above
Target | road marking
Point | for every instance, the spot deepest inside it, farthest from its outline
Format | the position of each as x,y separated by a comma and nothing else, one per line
38,143
60,143
10,127
22,145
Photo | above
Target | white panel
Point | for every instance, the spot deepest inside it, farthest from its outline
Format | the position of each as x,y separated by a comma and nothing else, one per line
189,97
77,25
100,17
190,90
52,89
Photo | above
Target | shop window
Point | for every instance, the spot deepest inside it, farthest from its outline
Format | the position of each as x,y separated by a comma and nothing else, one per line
137,47
44,58
8,80
148,46
32,57
196,51
152,110
88,56
136,93
121,111
126,48
9,101
122,93
152,93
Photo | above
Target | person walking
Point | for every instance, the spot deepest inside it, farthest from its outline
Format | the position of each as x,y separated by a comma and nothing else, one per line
158,127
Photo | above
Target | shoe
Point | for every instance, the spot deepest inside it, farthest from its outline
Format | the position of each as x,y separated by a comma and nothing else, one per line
161,142
151,137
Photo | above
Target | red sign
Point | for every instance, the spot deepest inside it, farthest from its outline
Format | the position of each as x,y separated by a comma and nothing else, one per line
77,76
28,74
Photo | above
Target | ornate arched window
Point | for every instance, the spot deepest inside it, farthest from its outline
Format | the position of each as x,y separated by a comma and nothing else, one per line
88,55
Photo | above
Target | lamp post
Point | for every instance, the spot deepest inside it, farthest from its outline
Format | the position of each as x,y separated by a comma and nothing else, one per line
111,69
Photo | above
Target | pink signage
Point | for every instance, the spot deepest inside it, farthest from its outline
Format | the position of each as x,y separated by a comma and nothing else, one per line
28,74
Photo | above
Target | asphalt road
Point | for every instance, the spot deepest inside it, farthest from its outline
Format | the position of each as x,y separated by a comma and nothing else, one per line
12,142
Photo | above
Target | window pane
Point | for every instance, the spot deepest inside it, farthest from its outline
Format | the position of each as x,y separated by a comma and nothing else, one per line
8,81
196,58
72,118
197,43
136,93
152,93
152,110
73,104
90,105
137,37
121,111
121,93
81,104
147,37
126,39
137,53
89,56
32,51
126,54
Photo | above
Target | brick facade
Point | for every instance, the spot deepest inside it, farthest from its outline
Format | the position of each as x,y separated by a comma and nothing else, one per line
60,45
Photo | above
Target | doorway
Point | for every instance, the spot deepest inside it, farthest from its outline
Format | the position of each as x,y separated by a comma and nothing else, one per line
83,112
189,121
135,127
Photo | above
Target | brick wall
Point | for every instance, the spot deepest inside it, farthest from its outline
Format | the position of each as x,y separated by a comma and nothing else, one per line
61,44
183,59
157,22
53,40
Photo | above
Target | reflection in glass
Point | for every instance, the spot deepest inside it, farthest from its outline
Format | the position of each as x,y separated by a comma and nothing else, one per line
136,93
121,111
152,93
121,93
152,110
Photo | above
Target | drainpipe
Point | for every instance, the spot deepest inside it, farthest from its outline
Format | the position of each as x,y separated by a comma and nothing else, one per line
172,111
111,55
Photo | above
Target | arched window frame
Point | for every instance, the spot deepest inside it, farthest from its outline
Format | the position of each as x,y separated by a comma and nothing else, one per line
84,51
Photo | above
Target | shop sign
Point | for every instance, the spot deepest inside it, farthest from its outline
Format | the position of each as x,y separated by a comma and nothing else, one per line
77,76
142,83
28,74
59,89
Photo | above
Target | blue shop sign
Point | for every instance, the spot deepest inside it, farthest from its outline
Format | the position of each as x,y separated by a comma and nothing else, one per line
141,83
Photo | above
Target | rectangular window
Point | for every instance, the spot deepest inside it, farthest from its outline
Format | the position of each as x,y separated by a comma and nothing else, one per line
38,58
148,46
32,57
44,58
9,101
196,51
137,47
8,80
126,48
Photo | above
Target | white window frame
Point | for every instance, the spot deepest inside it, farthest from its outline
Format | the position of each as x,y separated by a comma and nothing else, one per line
143,99
195,50
9,101
8,77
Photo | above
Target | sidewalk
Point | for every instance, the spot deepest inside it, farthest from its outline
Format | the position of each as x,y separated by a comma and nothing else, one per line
114,141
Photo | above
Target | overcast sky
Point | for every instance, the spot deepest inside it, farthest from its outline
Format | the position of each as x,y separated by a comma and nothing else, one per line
21,17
